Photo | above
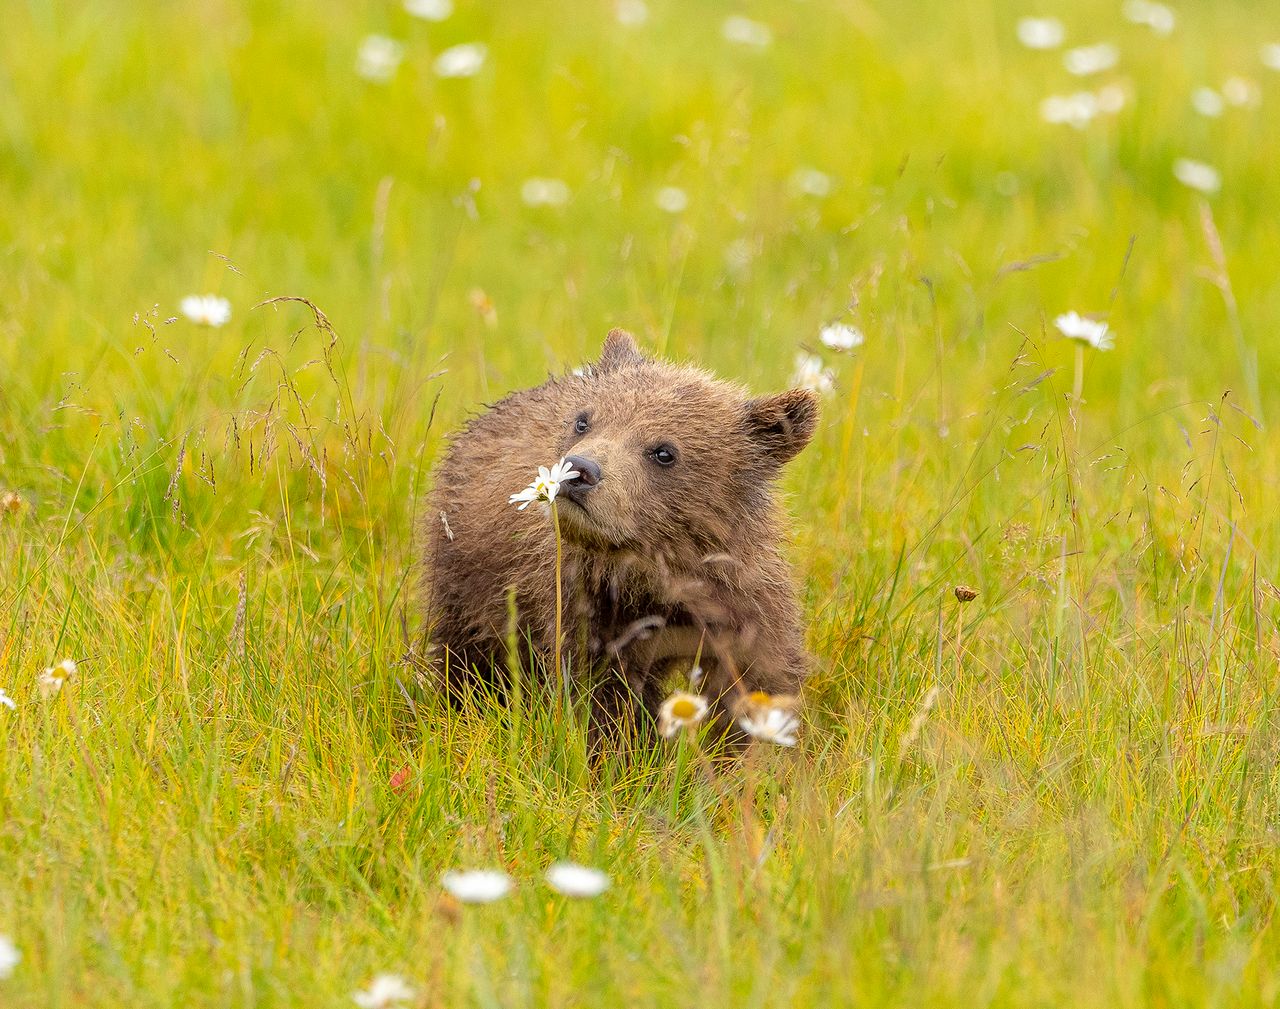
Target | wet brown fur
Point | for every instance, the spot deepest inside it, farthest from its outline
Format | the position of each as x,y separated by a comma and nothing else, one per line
664,565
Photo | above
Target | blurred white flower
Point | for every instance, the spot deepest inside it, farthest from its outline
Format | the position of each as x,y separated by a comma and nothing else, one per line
738,255
206,309
1111,98
811,374
9,956
7,701
631,13
575,880
385,991
1241,91
378,58
546,485
1075,326
429,10
809,182
1271,55
56,677
1207,102
1197,175
771,718
544,192
465,60
680,711
1041,33
1085,60
745,32
672,199
839,336
1156,16
477,886
1076,110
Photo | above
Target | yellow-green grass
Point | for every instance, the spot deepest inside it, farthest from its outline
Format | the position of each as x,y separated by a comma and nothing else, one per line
1062,793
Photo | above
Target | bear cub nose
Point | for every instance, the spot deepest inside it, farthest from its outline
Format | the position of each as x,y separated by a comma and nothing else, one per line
589,474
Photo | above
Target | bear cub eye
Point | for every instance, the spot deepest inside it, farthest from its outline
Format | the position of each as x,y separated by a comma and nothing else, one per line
582,424
663,455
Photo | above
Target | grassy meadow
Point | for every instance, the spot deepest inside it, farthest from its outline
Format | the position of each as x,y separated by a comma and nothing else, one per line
1063,793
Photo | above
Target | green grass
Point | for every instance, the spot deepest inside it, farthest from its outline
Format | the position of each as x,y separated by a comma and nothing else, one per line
1063,793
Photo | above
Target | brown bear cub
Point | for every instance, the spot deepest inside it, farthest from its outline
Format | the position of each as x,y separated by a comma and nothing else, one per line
670,536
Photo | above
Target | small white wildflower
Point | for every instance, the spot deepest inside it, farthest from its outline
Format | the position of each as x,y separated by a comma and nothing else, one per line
1075,326
672,199
1197,175
631,13
378,58
1270,55
1041,33
544,192
738,255
810,182
680,711
1156,16
545,486
1086,60
7,701
745,32
385,991
56,677
1240,91
206,309
429,10
1111,98
771,718
811,374
696,675
1207,102
465,60
575,880
10,957
477,886
1076,110
839,336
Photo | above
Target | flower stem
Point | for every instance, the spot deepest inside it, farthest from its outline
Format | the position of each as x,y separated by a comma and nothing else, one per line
555,520
1077,392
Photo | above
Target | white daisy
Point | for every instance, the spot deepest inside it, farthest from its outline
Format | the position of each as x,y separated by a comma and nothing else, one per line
680,711
1075,326
477,886
672,199
429,10
1085,60
378,58
1156,16
745,32
1197,175
811,374
206,309
810,182
544,192
545,486
1041,33
839,336
1270,55
465,60
10,957
771,718
575,880
1076,110
1240,91
385,991
7,701
55,678
1207,102
631,13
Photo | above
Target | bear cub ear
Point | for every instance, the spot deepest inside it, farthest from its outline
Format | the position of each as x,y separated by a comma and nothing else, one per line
782,425
619,351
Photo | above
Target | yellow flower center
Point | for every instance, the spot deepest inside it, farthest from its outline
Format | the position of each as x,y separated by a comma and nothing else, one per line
684,708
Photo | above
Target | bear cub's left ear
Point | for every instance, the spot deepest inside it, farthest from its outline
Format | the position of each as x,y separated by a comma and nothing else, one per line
783,424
